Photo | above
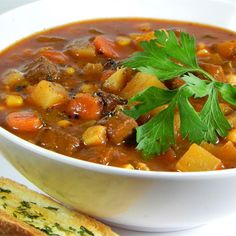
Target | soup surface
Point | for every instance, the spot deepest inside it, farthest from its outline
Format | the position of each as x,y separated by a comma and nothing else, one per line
66,89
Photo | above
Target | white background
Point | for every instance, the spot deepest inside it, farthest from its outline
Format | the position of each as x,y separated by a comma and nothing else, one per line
222,227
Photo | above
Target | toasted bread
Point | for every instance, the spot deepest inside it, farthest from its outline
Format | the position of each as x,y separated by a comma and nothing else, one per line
24,212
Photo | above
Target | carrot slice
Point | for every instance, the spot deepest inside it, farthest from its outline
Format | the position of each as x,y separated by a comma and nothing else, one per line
54,56
85,106
105,46
24,121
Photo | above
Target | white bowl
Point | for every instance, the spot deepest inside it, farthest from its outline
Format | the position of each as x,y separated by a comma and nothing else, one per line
145,201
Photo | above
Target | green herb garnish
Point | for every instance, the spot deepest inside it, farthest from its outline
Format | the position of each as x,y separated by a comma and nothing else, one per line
168,57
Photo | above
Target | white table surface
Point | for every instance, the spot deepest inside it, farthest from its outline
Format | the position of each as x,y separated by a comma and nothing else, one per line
221,227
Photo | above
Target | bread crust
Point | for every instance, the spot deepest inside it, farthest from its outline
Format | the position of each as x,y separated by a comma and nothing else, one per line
11,226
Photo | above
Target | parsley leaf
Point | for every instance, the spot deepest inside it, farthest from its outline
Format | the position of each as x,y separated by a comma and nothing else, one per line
213,117
149,99
166,56
191,125
157,135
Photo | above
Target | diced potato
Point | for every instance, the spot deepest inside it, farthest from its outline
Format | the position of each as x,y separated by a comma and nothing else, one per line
142,166
123,40
116,81
64,123
228,151
13,77
47,94
95,135
128,166
93,68
232,135
198,159
140,82
14,101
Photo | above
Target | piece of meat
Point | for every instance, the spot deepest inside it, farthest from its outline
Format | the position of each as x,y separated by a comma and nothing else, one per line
57,140
110,102
120,127
41,69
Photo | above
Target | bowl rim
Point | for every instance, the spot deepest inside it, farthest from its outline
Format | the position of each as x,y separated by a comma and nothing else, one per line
48,154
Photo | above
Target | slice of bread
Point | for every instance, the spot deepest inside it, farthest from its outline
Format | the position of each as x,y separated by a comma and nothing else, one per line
24,212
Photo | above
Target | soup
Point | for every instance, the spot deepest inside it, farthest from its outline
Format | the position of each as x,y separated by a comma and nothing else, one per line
72,90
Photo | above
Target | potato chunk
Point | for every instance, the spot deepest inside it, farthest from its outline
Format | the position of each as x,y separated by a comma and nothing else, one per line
95,135
47,94
140,82
198,159
116,81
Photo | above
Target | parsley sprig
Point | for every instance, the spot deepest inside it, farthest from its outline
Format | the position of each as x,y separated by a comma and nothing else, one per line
168,57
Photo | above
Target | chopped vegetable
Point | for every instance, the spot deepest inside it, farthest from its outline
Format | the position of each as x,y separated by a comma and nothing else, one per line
105,46
85,106
116,81
128,166
64,123
95,135
123,40
47,94
81,48
27,121
93,68
13,77
140,82
232,135
142,166
70,70
228,152
55,56
198,159
14,101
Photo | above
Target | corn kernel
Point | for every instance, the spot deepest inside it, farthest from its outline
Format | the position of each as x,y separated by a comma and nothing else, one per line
232,135
128,166
14,101
64,123
201,46
142,166
123,40
203,53
88,88
70,70
95,135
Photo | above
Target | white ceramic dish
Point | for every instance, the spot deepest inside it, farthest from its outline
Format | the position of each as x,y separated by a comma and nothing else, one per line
145,201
